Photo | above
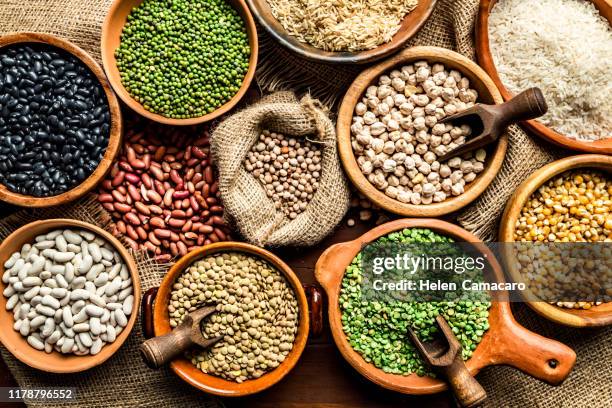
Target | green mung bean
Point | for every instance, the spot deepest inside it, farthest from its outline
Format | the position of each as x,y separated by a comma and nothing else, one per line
378,330
183,58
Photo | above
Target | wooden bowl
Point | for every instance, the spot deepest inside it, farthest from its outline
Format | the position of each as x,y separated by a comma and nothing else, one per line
410,25
56,362
485,59
111,38
209,383
539,357
114,141
595,316
487,92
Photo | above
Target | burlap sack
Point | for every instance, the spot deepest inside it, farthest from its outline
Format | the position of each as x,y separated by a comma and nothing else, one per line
123,380
247,205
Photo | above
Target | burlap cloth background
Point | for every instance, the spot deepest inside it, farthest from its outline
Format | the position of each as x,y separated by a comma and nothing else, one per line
121,382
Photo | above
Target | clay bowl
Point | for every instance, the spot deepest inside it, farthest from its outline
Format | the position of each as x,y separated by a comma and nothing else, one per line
485,59
183,367
411,23
595,316
56,362
115,126
111,38
487,92
540,357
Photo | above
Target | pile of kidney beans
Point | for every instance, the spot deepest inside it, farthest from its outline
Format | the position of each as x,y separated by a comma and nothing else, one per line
162,191
54,120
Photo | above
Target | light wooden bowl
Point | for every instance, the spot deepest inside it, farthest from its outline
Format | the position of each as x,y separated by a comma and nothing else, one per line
410,26
487,92
506,342
597,315
56,362
485,59
111,38
209,383
114,141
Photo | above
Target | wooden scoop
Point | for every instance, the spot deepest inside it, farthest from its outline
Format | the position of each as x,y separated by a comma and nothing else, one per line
160,350
444,355
488,122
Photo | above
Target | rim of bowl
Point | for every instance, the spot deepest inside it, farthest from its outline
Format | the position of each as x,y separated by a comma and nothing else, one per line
347,156
110,65
191,374
74,363
595,316
264,16
115,131
485,60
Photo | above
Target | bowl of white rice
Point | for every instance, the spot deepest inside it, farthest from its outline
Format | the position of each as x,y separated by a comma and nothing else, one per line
564,48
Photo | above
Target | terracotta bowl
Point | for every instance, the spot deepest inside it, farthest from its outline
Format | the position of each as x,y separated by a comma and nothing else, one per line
487,92
190,373
597,315
56,362
485,59
115,126
111,38
540,357
410,26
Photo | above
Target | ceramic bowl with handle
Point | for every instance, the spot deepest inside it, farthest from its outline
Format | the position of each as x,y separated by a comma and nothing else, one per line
157,322
543,358
56,362
599,315
488,94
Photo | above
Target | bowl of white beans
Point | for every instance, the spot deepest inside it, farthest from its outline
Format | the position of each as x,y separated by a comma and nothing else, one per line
70,295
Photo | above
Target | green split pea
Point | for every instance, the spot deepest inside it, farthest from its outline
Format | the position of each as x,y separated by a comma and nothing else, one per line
183,58
379,330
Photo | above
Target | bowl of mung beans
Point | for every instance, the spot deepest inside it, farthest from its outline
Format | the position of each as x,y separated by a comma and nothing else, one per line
371,335
182,62
566,202
262,315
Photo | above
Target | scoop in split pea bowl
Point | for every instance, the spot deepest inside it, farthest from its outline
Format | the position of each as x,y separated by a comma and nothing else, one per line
542,358
180,65
262,314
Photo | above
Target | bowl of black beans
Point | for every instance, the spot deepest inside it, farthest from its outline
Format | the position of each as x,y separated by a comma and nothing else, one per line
60,122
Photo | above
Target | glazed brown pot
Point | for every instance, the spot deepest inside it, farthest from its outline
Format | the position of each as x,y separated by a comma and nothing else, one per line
487,92
600,315
485,59
114,140
506,342
157,322
56,362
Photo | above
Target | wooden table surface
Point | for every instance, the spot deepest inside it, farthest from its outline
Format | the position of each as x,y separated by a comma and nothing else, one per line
322,378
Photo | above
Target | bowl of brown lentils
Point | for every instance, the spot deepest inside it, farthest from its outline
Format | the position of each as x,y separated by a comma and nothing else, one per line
262,315
562,206
390,135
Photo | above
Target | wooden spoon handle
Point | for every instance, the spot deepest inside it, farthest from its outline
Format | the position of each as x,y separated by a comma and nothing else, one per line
529,104
468,391
160,350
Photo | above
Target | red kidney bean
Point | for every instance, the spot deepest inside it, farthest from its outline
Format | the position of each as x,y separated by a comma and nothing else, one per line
109,206
105,198
187,226
121,226
157,222
176,223
154,239
142,234
118,196
132,218
124,208
161,233
168,197
118,179
131,232
154,196
180,194
132,178
146,180
134,193
155,209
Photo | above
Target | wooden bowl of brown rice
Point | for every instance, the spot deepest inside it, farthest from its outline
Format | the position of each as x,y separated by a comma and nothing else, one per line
357,40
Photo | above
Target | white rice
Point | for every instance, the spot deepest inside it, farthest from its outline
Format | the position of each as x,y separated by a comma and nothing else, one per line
565,48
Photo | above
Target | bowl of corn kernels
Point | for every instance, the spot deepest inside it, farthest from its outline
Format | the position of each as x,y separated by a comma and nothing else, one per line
557,235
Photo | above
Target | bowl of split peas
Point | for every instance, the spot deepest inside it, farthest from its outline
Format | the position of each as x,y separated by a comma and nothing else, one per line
567,201
180,80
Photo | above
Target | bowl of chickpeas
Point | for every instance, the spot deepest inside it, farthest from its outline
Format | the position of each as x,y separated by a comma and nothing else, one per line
564,207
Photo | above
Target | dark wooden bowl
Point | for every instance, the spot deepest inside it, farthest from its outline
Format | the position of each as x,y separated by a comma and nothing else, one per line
56,362
114,141
111,38
487,92
506,342
410,25
485,59
210,383
600,315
